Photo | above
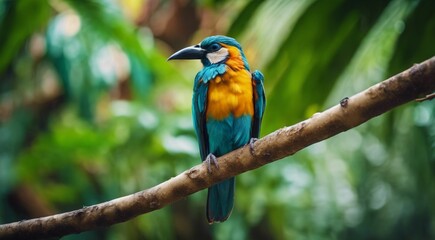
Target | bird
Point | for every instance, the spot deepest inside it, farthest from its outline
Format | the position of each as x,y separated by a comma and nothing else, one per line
228,104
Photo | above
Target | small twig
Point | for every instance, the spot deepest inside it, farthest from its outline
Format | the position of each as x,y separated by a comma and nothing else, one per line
428,97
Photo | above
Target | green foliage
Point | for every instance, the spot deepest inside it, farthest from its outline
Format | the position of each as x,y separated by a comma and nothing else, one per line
119,119
17,25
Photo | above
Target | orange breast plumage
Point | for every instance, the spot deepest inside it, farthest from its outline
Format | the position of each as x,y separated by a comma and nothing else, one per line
230,93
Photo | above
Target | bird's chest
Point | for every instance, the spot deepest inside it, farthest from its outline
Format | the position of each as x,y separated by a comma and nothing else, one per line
230,93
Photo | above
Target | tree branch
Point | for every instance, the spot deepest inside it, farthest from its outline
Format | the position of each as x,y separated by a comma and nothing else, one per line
352,111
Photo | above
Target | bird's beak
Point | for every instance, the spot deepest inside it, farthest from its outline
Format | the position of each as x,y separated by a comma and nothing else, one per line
193,52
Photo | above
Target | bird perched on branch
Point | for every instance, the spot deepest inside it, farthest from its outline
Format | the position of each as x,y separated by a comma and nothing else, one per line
227,107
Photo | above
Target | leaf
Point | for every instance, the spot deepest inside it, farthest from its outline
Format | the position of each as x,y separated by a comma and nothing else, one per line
22,18
312,57
416,43
243,18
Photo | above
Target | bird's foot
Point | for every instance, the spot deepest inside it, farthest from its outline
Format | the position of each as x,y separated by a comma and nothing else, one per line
209,160
251,145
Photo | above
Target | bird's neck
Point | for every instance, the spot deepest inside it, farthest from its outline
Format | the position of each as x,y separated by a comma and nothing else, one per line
236,59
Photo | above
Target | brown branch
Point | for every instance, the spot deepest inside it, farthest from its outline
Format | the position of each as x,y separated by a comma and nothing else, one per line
353,111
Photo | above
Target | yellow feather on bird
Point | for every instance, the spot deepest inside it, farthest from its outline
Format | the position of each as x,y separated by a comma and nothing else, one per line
232,92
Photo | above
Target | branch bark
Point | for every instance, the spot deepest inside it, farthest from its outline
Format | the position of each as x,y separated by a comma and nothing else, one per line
415,82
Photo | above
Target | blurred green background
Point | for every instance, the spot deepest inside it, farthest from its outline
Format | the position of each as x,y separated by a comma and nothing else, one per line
90,111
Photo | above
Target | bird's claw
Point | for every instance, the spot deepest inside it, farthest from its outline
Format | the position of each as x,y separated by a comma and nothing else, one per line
211,159
251,145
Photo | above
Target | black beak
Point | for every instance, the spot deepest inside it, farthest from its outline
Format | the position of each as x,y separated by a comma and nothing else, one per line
193,52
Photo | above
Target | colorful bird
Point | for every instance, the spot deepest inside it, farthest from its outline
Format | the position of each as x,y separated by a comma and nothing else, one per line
227,107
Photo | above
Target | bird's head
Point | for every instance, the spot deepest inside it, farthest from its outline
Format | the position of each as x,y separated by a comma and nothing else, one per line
215,50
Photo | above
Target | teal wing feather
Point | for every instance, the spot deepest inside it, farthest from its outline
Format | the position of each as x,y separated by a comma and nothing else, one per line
259,103
199,104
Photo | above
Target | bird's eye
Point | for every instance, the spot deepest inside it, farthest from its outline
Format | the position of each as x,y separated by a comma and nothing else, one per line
214,47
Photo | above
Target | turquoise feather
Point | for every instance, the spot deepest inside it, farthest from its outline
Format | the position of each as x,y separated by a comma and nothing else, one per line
224,138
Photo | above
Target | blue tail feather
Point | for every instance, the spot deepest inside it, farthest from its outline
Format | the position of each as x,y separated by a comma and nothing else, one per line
220,201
